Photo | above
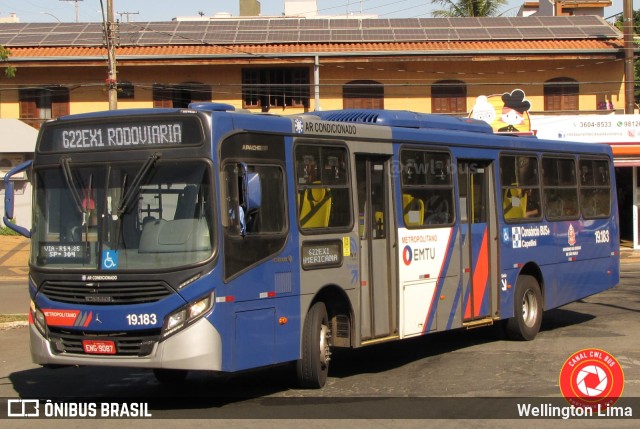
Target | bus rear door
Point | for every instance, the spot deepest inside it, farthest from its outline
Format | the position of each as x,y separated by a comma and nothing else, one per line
478,237
378,295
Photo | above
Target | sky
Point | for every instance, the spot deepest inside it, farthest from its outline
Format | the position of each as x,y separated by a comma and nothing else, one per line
165,10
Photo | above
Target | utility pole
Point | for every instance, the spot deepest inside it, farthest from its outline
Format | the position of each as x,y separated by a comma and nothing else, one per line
76,1
629,79
112,81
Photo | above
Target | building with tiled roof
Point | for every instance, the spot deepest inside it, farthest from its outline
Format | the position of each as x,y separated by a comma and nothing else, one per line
564,64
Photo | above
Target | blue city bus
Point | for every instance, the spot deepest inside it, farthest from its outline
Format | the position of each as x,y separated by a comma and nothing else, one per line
213,239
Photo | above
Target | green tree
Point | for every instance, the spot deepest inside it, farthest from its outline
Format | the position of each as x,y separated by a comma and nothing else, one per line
636,62
9,70
468,8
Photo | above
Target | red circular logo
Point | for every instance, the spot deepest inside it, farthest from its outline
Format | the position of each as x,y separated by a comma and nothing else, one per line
591,378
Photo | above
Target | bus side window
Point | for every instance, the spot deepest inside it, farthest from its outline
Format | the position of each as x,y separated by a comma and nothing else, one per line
520,187
322,187
427,188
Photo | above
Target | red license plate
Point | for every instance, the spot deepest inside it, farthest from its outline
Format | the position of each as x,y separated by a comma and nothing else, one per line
97,347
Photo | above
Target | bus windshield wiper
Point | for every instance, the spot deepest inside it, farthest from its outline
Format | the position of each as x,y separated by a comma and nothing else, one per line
133,188
65,163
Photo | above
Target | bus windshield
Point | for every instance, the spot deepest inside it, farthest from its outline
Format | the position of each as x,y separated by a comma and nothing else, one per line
125,216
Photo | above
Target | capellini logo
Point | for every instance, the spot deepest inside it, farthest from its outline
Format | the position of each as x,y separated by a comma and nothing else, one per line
591,378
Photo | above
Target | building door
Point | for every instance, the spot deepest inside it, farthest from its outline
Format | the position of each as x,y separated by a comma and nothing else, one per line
378,296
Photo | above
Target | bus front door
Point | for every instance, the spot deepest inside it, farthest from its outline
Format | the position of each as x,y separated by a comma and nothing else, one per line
479,245
377,296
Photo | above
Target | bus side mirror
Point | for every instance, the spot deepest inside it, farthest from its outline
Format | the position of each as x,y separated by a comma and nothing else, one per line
250,197
9,199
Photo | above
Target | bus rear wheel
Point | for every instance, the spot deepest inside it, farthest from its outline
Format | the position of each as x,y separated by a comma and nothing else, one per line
313,367
525,323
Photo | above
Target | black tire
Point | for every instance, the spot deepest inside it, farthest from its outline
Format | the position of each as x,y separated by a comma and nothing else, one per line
527,302
170,376
313,367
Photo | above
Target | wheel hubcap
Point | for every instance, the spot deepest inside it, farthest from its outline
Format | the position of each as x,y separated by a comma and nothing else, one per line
325,353
529,308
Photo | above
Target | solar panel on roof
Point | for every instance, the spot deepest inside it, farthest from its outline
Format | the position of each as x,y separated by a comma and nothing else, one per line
566,32
280,30
253,24
283,36
59,39
405,23
151,38
504,33
440,34
313,36
521,21
251,37
377,34
312,23
555,21
187,35
375,23
284,23
346,35
435,22
473,33
343,23
403,34
599,31
89,39
220,37
586,20
495,22
465,22
27,40
535,33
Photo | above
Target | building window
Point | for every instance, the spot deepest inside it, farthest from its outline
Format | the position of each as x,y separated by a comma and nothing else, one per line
125,90
179,96
561,94
363,94
277,87
449,96
38,105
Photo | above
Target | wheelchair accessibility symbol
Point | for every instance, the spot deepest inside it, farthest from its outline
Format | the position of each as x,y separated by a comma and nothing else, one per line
109,259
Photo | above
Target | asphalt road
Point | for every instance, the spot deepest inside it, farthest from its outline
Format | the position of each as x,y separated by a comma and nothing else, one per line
452,373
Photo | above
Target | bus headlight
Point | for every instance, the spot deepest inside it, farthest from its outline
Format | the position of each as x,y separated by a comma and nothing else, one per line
186,315
39,320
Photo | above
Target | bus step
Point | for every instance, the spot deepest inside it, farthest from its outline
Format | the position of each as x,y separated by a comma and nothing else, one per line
380,340
478,323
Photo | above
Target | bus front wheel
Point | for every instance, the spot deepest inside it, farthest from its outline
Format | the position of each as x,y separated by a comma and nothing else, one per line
525,323
313,367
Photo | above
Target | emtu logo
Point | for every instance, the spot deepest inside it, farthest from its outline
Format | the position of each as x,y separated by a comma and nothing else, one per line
591,378
407,255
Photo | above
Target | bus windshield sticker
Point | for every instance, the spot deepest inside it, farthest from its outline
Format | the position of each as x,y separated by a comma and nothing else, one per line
109,259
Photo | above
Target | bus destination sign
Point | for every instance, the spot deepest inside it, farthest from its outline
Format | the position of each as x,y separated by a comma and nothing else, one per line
321,254
84,136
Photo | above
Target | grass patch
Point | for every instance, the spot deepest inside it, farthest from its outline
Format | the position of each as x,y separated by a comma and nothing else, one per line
6,318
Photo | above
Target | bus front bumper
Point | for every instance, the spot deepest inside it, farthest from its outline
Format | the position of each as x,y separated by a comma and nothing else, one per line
198,347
